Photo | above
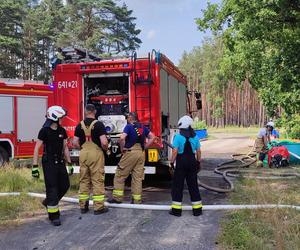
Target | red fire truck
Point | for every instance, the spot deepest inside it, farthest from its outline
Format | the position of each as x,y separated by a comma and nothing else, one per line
151,86
23,105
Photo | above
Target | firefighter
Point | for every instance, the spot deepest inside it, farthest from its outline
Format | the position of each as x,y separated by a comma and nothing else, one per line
185,145
54,139
90,135
132,143
261,142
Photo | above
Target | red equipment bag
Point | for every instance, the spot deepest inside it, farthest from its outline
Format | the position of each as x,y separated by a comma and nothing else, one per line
278,157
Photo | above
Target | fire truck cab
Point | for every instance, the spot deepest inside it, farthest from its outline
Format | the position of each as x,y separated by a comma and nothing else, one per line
151,86
23,105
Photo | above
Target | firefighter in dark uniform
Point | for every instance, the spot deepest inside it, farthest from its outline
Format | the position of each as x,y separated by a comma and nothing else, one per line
185,145
133,159
54,139
90,136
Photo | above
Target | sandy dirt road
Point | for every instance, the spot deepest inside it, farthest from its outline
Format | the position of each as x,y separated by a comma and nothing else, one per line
135,229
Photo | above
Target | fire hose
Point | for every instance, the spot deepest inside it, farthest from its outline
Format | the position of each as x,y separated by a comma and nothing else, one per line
165,207
236,168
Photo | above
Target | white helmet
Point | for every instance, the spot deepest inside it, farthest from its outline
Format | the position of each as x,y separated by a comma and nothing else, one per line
270,124
55,112
185,122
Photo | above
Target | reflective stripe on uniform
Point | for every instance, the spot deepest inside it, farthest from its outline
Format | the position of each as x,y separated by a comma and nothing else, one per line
52,209
98,197
196,204
137,131
117,192
83,197
176,205
137,197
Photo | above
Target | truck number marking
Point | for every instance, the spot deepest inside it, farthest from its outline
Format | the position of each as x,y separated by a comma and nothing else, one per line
67,84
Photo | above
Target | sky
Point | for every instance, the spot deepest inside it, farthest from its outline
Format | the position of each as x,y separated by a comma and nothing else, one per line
168,25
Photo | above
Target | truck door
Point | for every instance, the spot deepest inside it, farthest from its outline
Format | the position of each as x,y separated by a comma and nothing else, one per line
68,94
30,118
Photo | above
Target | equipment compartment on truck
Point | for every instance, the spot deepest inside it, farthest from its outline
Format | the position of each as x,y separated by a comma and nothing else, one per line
152,86
23,106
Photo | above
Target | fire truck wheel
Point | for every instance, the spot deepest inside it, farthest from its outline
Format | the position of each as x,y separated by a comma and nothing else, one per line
3,156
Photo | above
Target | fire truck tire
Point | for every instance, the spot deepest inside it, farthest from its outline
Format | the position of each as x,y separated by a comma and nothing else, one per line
3,156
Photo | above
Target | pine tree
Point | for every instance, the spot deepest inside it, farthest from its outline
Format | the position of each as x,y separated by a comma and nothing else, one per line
100,26
11,19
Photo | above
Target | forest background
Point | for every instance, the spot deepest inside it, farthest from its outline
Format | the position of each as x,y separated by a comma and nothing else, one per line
248,70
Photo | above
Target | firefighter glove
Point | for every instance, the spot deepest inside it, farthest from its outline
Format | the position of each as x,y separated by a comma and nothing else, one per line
35,172
172,168
70,168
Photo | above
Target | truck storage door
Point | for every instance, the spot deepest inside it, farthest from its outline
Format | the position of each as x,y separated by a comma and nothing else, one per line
7,115
7,129
31,112
68,94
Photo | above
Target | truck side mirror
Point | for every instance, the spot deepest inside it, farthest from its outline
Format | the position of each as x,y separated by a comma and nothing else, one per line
199,104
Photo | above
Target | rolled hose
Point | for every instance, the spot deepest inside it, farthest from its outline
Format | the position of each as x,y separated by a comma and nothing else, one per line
246,161
230,171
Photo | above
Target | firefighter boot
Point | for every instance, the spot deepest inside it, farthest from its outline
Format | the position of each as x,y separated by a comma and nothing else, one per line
197,211
85,209
56,222
112,200
101,211
175,212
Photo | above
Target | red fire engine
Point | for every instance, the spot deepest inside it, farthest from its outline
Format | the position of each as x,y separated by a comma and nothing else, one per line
23,105
152,86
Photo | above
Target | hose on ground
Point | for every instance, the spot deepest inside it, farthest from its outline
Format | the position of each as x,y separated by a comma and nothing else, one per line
166,207
231,168
236,168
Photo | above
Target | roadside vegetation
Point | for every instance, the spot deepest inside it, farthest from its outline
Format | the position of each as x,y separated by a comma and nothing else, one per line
247,131
14,179
13,208
263,228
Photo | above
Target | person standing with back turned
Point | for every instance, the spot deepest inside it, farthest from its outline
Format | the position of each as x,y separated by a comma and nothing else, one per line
132,143
54,139
185,145
90,136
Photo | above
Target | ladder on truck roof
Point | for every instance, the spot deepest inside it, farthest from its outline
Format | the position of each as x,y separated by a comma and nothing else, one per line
142,81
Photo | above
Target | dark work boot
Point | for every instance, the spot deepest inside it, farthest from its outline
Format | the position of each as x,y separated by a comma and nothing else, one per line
56,222
175,212
197,211
101,211
85,209
113,200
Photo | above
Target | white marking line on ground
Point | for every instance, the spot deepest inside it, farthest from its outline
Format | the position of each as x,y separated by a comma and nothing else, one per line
167,207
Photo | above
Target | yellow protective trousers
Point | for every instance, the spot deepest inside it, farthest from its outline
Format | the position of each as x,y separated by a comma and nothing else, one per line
91,160
260,150
132,162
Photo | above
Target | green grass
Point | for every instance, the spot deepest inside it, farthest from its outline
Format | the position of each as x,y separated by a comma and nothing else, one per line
19,180
263,228
14,179
250,131
13,208
263,191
